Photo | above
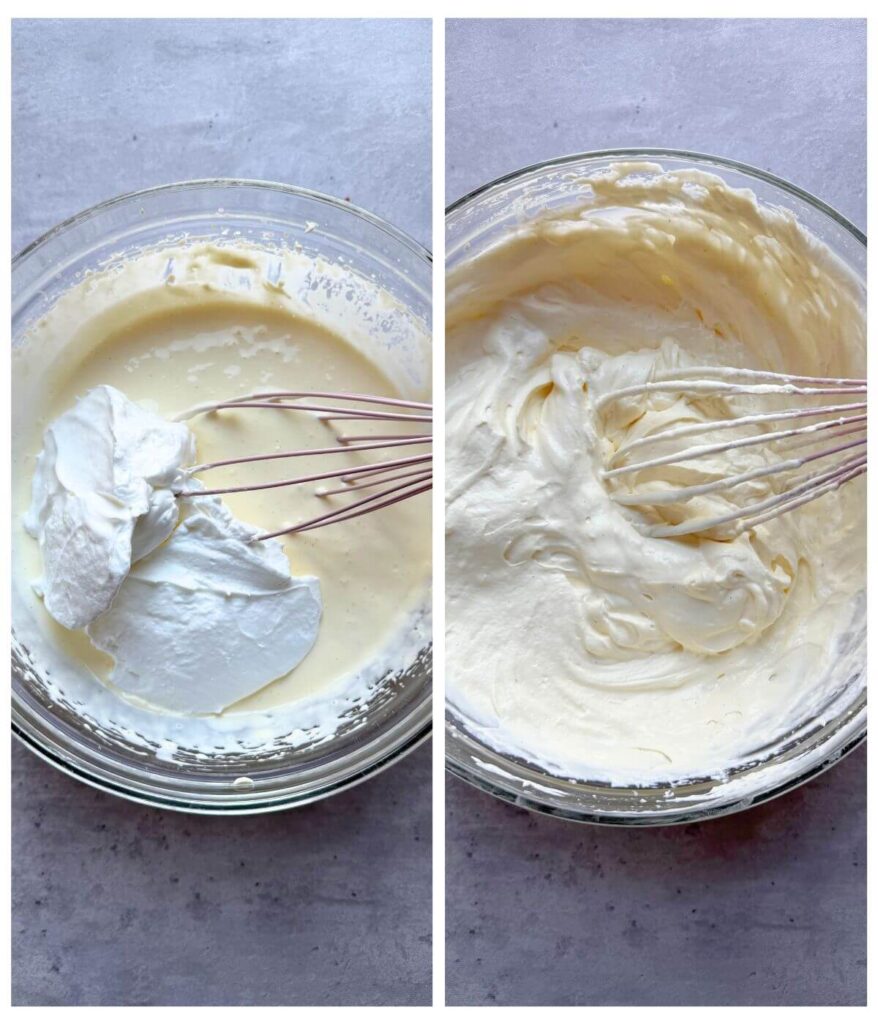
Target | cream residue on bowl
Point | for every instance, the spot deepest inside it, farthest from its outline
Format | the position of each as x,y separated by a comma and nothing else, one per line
573,640
188,322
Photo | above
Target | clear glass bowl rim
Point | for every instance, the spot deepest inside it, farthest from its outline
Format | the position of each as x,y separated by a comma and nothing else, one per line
407,735
219,183
487,783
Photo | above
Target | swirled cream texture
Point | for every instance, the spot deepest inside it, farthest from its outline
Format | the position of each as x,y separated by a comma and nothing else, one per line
573,639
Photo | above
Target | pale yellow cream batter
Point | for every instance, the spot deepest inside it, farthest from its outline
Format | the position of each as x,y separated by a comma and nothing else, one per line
183,325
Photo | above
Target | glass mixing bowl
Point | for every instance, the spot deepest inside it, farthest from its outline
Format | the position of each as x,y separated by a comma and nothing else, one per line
398,715
474,223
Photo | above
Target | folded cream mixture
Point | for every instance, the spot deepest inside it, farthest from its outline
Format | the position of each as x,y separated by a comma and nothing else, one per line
573,639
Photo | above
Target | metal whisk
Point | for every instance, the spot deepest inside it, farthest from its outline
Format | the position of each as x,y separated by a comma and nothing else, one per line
409,475
812,443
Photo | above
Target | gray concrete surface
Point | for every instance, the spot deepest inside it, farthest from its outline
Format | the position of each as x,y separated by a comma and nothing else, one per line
764,908
104,107
761,908
119,905
786,95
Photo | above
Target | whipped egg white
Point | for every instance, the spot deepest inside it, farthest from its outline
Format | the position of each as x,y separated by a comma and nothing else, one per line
102,498
209,618
195,618
574,640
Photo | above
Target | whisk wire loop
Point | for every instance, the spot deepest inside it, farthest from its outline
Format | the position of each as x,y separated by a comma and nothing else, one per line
415,478
818,441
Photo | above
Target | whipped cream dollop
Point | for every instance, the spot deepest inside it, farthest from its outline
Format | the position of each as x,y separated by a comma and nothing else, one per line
196,616
209,618
575,640
102,498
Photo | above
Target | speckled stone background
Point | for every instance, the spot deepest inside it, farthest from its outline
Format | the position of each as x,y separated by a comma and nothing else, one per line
766,907
786,95
115,904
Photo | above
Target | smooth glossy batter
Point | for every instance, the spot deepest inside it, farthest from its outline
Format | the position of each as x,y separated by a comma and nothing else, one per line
572,639
196,323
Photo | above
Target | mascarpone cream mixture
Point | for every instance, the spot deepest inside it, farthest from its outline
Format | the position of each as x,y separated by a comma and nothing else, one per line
574,640
164,615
